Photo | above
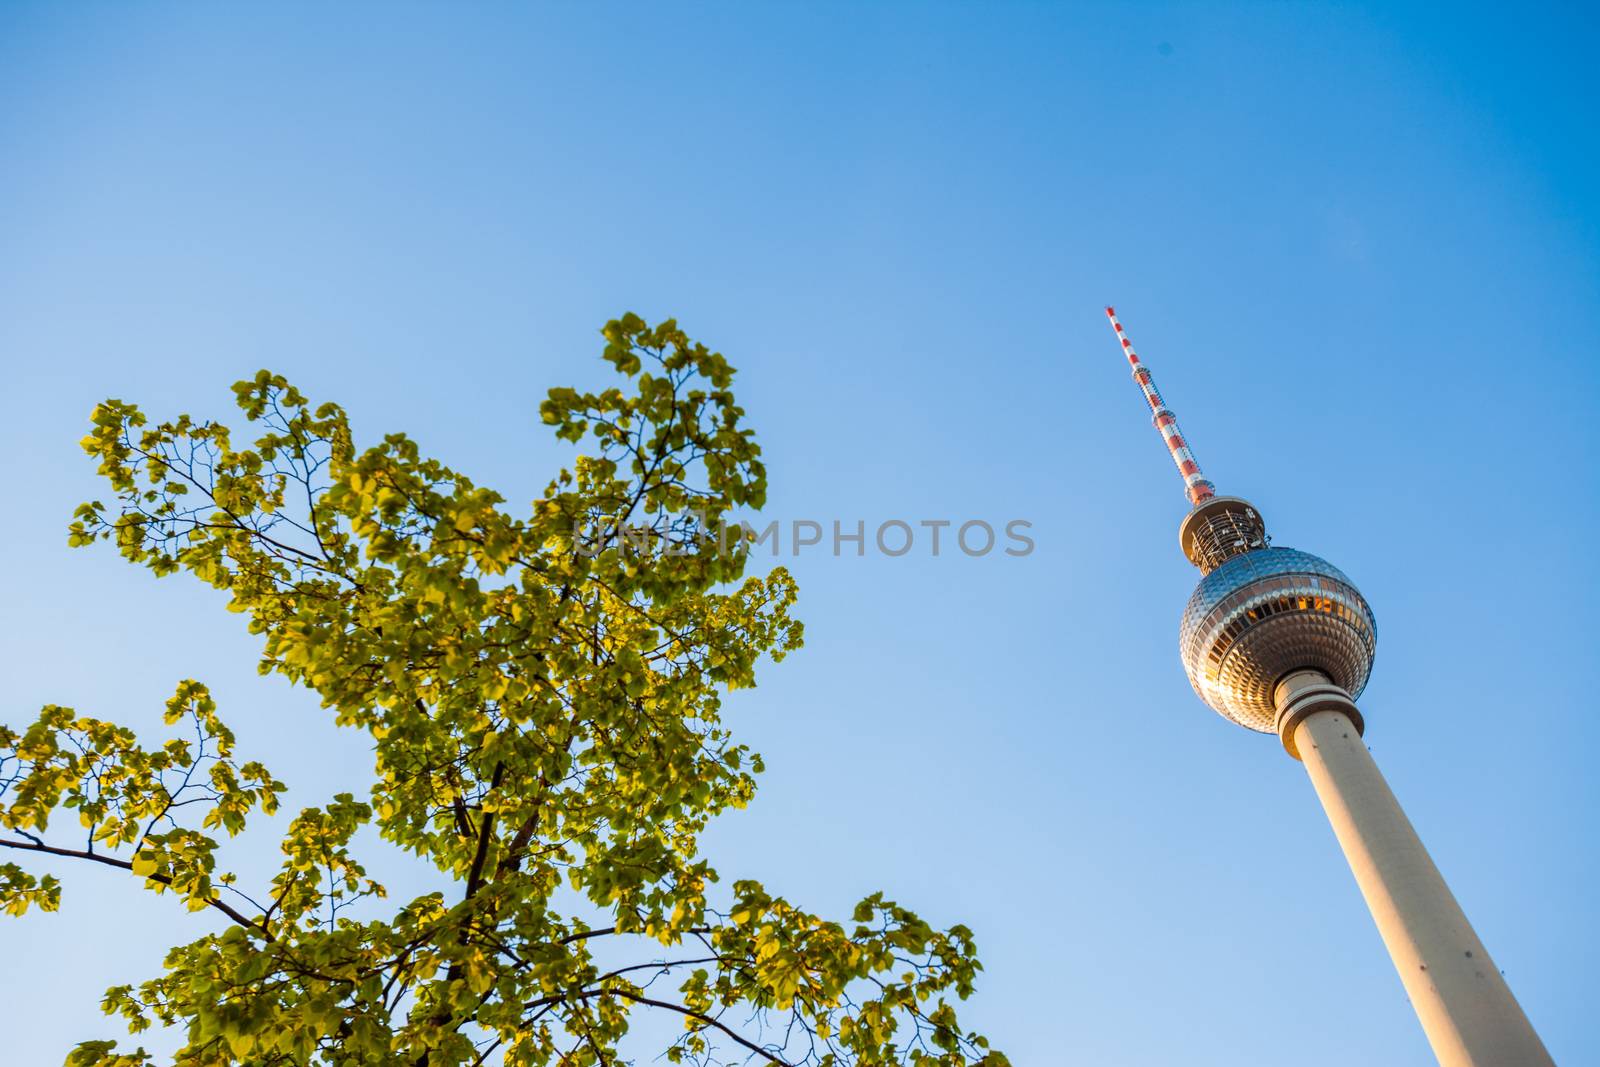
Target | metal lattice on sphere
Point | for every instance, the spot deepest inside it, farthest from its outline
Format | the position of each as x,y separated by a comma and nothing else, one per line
1264,614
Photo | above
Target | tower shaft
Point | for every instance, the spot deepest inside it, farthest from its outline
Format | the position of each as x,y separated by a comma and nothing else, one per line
1466,1009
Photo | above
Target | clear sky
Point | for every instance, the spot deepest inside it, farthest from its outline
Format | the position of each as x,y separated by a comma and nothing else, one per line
1359,245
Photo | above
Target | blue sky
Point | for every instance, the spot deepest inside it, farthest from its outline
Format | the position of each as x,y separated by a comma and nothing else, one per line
1359,246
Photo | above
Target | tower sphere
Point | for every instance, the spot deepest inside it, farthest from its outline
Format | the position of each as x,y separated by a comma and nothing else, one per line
1263,613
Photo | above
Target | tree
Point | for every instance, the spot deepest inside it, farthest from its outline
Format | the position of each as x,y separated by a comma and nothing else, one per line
543,700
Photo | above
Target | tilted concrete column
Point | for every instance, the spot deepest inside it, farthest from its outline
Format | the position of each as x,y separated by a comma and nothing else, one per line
1464,1004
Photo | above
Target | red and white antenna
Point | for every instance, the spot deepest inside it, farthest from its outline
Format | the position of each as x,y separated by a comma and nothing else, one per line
1196,485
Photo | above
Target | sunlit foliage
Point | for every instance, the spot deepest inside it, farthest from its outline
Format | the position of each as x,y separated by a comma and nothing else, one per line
544,704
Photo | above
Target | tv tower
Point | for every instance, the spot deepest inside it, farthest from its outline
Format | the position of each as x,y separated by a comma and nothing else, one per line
1280,641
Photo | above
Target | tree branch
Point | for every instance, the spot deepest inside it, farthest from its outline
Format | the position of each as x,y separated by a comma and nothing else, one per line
702,1018
485,833
39,846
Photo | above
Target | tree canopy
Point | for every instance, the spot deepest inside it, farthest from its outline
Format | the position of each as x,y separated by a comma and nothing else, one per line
544,703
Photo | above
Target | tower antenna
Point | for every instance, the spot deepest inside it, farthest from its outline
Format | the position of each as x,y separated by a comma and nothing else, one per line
1198,488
